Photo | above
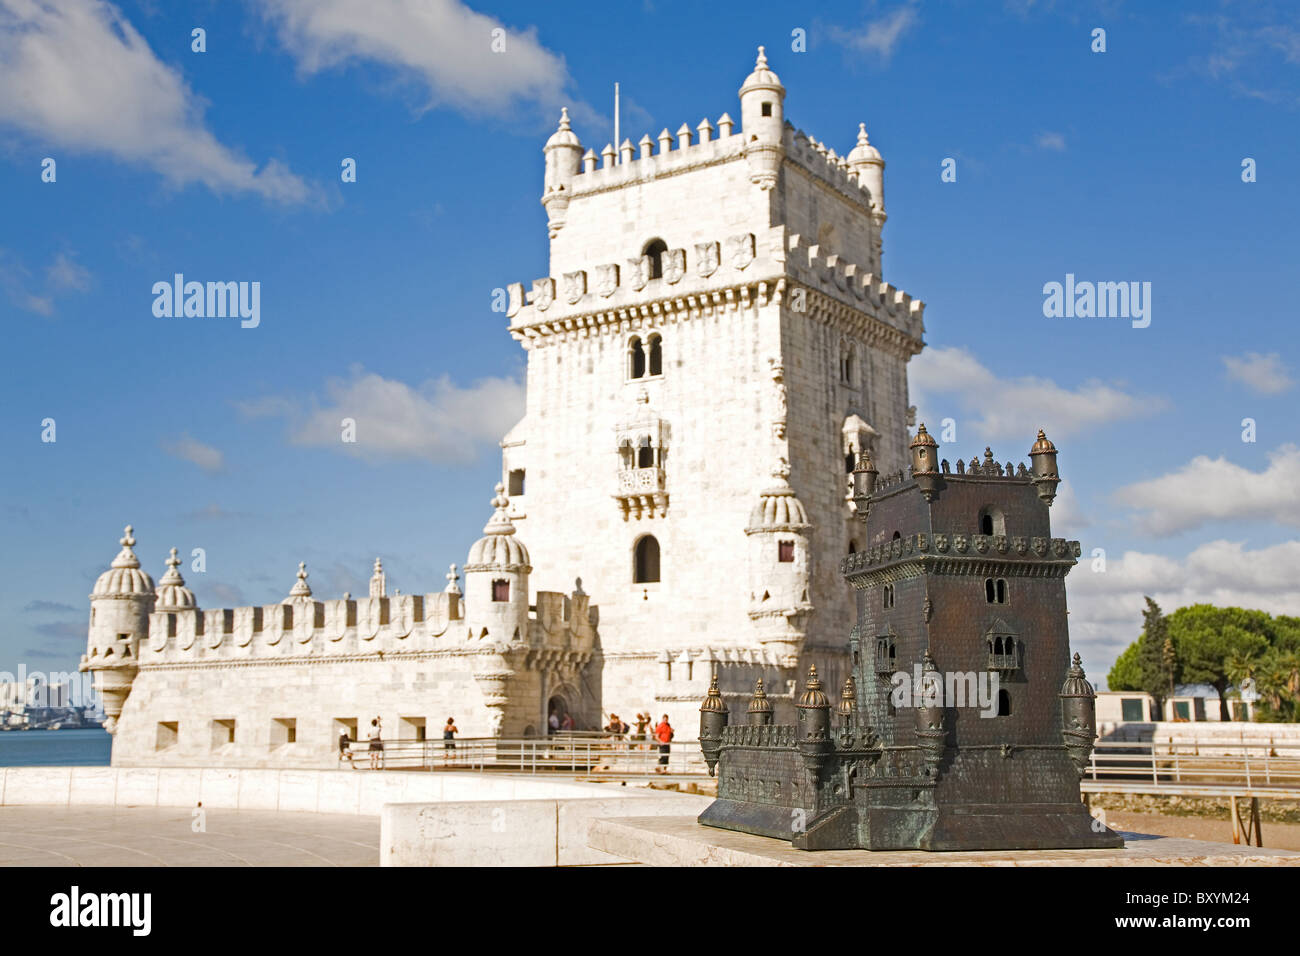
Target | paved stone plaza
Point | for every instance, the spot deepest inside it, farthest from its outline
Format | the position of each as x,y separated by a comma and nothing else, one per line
150,836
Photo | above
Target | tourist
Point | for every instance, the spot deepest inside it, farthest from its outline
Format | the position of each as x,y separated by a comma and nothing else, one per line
553,722
643,722
617,730
449,733
376,744
664,734
566,724
345,747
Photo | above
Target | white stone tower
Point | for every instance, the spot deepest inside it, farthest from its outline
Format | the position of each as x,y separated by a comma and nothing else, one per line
713,313
120,605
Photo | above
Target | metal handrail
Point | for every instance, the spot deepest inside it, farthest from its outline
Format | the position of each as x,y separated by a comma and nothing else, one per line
586,753
1235,764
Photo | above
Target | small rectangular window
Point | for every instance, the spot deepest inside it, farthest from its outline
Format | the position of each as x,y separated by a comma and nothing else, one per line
223,732
168,734
1131,709
785,551
516,486
767,109
500,590
284,730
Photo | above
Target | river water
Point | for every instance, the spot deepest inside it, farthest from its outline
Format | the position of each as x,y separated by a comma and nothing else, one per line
55,748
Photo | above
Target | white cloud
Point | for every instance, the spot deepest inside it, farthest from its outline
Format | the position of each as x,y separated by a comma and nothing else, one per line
195,452
879,37
438,421
445,45
952,383
66,273
1052,141
1106,607
1214,489
1265,374
76,74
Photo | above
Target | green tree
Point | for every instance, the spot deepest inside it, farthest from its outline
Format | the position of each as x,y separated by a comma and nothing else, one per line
1125,675
1154,674
1278,681
1207,639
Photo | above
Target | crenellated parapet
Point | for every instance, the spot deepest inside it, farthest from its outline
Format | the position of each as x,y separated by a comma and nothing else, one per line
851,284
665,155
721,275
406,623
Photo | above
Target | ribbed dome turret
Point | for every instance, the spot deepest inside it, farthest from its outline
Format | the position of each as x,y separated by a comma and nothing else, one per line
124,575
498,548
762,78
864,152
172,592
1076,684
564,134
778,508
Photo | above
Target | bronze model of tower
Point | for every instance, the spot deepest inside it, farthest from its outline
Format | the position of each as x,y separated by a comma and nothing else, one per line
955,731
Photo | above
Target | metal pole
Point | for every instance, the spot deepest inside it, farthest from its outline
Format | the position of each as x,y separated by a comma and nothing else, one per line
618,155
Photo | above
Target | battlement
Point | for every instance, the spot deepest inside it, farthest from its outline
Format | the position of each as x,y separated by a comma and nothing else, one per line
821,161
777,736
688,149
669,155
349,628
808,262
717,273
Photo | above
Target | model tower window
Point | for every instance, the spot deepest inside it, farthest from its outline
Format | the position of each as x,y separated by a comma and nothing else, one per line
995,590
646,562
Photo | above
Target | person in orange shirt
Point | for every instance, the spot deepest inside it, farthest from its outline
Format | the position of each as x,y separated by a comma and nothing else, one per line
663,734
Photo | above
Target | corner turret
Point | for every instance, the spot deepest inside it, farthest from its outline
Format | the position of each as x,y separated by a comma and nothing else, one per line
563,153
762,122
496,579
120,605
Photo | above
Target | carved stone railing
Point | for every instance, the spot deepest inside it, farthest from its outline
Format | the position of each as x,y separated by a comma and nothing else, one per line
641,480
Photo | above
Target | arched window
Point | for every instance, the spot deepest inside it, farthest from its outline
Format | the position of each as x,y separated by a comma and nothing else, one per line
995,590
655,249
1004,704
646,560
636,358
656,355
847,361
850,461
645,455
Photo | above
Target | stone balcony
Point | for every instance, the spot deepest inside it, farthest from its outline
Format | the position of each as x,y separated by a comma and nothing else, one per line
641,493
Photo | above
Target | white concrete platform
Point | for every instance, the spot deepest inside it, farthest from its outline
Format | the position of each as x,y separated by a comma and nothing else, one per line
681,841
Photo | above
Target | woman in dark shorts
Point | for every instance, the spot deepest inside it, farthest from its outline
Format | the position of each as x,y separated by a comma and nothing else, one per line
449,733
376,744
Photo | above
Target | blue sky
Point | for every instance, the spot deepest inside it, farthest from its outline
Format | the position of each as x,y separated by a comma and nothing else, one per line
224,165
